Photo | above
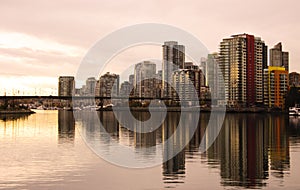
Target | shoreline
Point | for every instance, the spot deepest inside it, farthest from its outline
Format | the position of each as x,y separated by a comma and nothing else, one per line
192,109
169,109
10,112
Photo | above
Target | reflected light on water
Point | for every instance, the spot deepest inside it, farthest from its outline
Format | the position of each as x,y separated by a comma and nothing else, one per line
45,151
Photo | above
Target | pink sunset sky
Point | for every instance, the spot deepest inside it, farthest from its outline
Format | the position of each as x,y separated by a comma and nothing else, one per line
41,40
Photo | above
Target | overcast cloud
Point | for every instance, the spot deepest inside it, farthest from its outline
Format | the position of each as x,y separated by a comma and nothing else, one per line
49,38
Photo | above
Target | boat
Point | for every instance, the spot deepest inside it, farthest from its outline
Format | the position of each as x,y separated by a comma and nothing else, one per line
41,107
91,107
77,109
68,108
294,111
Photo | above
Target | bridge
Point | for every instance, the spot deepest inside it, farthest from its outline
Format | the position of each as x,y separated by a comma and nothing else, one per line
68,100
77,98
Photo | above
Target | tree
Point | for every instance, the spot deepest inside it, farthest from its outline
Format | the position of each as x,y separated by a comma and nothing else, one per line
293,97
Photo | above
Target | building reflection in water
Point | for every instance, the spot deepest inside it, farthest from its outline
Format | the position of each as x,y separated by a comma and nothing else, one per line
10,124
11,117
294,130
66,126
145,137
249,148
240,149
110,124
279,147
174,168
247,145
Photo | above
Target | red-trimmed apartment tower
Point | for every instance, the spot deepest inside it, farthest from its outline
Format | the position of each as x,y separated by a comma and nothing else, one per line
250,68
242,60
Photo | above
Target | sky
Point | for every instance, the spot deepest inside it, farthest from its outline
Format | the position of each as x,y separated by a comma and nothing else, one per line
41,40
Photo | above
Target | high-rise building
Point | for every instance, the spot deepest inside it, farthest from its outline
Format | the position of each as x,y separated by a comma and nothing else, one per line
276,86
214,78
158,83
97,88
203,67
285,60
279,58
109,85
144,74
187,83
241,62
131,79
173,59
265,56
125,89
294,79
90,86
191,66
66,86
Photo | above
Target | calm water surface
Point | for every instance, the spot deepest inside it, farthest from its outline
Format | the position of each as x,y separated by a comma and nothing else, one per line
46,151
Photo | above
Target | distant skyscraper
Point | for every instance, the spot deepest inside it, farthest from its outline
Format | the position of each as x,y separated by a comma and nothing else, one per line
279,58
276,86
66,86
241,62
125,89
191,66
294,79
97,88
90,85
203,67
213,79
131,79
144,74
109,85
173,59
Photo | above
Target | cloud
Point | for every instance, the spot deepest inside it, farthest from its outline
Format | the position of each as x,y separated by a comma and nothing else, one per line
20,40
51,37
23,54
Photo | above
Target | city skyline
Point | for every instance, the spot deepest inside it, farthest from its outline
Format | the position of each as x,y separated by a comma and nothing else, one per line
40,89
205,65
242,61
37,49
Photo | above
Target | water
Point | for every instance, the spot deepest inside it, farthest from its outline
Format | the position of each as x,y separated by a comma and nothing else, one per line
46,150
